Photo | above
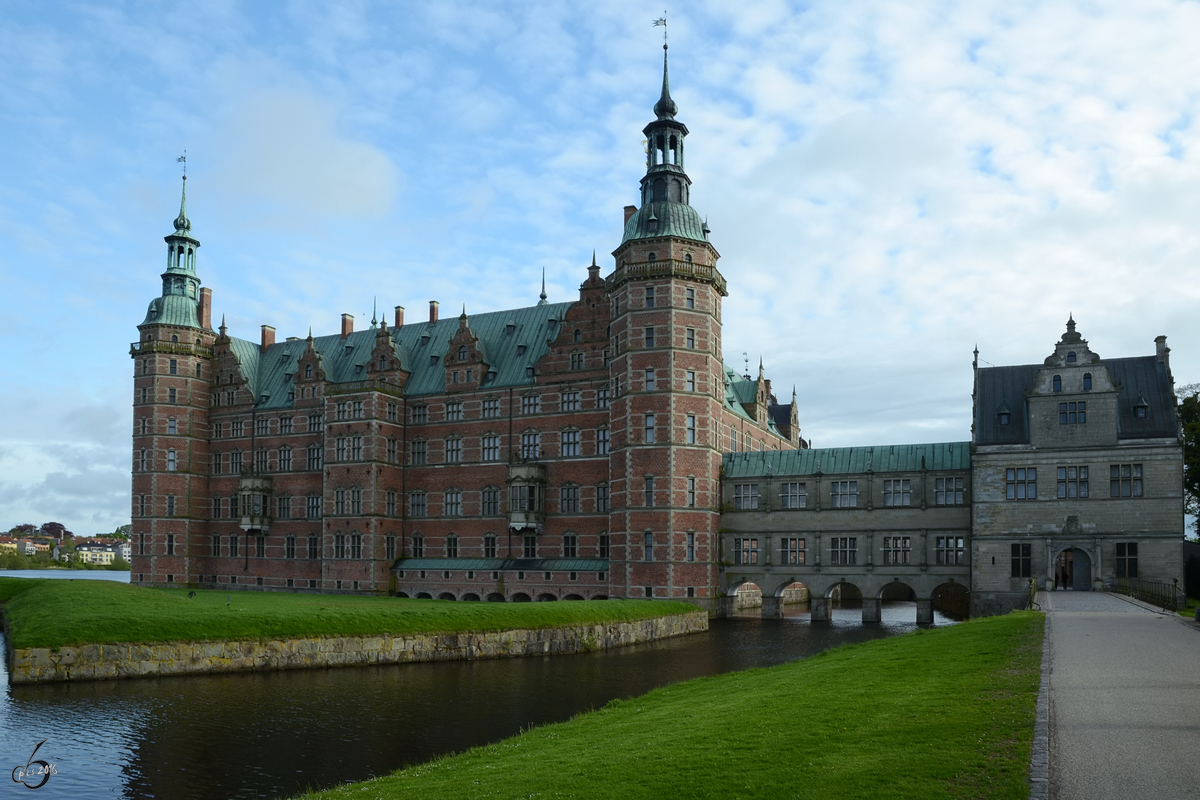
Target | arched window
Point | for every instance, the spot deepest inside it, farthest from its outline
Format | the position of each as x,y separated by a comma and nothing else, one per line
651,257
308,371
578,336
687,257
660,190
383,362
462,353
1087,381
1058,383
1071,358
174,338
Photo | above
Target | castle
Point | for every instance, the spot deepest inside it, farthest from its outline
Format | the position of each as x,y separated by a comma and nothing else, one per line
602,448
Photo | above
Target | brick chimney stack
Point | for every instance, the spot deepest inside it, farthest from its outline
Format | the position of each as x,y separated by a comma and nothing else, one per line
629,212
399,317
206,308
347,325
1162,351
268,337
433,311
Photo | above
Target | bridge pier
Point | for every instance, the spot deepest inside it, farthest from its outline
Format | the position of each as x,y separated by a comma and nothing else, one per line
772,607
872,609
725,605
924,612
820,609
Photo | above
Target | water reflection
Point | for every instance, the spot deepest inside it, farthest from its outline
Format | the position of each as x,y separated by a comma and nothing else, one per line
271,734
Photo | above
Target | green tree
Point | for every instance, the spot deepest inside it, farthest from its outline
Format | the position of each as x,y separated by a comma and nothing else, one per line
122,532
1189,421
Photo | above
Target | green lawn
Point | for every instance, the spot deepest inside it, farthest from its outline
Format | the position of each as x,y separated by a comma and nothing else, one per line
52,613
945,713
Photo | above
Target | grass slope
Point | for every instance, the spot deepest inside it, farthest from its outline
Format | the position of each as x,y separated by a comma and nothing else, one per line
53,613
945,713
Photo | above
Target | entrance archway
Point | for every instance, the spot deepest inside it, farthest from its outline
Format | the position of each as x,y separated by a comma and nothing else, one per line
1073,570
953,600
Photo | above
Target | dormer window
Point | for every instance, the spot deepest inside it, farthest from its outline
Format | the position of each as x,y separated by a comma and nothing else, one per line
1087,381
425,340
578,335
1071,359
433,361
1140,412
383,362
462,353
509,328
1058,383
308,372
358,369
521,349
1141,409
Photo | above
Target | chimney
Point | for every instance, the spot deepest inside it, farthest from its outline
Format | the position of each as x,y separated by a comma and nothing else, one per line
399,317
268,337
1162,351
629,212
347,325
433,311
206,308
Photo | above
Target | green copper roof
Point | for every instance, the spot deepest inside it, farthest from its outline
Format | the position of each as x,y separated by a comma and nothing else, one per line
665,218
421,347
173,309
849,460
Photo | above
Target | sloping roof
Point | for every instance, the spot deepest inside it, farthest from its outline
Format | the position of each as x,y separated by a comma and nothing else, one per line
671,218
173,309
1145,377
849,460
421,346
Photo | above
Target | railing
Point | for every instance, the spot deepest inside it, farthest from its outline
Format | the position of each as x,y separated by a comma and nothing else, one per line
365,385
1033,590
667,267
1163,595
182,348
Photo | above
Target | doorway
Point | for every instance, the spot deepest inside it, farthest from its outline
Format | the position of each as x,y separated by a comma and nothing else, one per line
1073,570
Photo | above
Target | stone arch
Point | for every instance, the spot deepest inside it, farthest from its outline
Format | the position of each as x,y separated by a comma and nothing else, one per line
745,593
896,590
470,597
520,597
446,596
792,591
424,596
495,597
402,595
573,597
599,597
546,597
1072,569
952,599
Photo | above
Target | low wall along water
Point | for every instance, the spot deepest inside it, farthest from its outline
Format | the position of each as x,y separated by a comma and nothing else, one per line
104,661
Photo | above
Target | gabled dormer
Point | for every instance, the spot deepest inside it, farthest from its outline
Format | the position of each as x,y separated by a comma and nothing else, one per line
464,360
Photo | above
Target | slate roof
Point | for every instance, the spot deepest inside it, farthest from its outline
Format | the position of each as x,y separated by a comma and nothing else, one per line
1139,378
673,219
417,344
849,460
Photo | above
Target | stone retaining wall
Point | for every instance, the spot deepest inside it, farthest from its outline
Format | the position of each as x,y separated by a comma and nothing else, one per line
102,661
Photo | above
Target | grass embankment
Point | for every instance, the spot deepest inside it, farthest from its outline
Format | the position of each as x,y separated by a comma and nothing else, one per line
945,713
54,613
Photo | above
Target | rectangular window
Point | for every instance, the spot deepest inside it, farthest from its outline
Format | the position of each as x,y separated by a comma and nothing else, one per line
358,411
523,498
491,407
339,545
691,338
793,495
649,339
214,545
356,501
216,463
283,507
689,298
314,547
531,445
343,410
233,546
576,361
897,550
171,395
745,551
173,367
170,461
260,547
285,424
389,547
691,547
691,380
390,502
454,410
171,426
570,443
843,550
453,503
216,507
745,496
416,504
262,426
649,297
490,501
453,451
339,501
1022,560
316,422
1125,480
289,547
261,461
602,397
948,491
392,416
491,448
1072,482
170,544
339,448
170,505
649,429
568,500
315,454
690,433
356,448
489,546
650,382
950,550
844,494
602,500
417,452
691,492
419,414
1127,557
531,404
1072,413
602,442
570,546
1020,483
312,507
530,547
570,401
649,490
791,550
648,546
285,459
602,548
392,447
897,493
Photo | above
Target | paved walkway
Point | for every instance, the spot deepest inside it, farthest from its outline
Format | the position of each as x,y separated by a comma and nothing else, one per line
1124,699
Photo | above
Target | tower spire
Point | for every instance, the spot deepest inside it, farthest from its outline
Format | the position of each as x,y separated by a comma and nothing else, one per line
665,108
542,296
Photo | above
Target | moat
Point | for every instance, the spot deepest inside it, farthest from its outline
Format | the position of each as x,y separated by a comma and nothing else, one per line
275,734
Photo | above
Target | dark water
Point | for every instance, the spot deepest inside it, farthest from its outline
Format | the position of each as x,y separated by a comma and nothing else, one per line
273,734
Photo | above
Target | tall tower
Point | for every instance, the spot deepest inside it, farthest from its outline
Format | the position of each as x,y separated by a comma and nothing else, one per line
171,369
667,379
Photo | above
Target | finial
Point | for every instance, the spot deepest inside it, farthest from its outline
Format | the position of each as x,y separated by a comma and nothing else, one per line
374,314
222,328
594,264
542,296
464,313
182,224
665,108
310,339
1070,323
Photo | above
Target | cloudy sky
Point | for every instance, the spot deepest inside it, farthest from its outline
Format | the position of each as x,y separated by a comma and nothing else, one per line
889,184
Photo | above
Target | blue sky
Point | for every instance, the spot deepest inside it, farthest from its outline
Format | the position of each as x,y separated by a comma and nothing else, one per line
888,183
